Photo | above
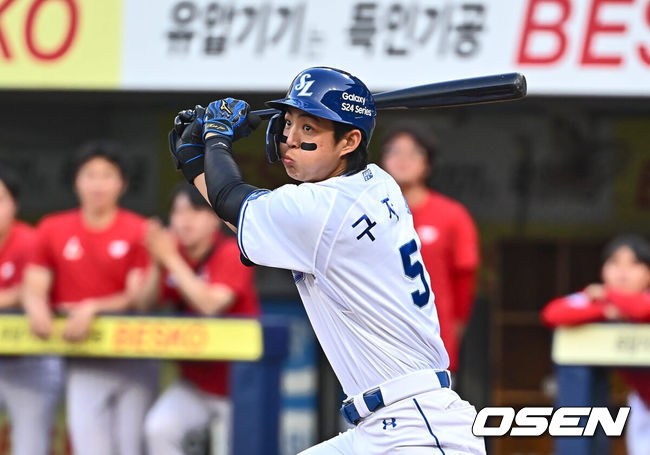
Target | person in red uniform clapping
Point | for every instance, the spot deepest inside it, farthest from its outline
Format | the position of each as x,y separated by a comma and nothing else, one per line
201,275
624,295
447,232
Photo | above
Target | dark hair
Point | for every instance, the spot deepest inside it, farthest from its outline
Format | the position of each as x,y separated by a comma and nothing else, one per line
11,181
357,159
419,132
196,200
102,148
638,244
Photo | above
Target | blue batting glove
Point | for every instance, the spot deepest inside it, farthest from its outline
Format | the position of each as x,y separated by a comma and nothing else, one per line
228,118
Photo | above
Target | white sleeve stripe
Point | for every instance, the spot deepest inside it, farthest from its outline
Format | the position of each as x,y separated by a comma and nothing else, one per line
240,222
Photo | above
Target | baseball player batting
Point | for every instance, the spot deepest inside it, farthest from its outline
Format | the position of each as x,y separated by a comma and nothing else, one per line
347,234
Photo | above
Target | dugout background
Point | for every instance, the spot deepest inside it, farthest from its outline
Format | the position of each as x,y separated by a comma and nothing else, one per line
547,179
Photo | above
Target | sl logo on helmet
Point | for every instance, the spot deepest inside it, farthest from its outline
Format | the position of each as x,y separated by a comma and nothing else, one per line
303,85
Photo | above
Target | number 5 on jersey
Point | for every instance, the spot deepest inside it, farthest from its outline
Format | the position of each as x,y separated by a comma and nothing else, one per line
413,270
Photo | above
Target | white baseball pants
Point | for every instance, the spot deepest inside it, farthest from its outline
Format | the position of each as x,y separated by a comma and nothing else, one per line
107,401
637,436
435,422
30,388
181,409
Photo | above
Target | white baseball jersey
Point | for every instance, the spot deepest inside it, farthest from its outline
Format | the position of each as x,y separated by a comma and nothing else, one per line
355,257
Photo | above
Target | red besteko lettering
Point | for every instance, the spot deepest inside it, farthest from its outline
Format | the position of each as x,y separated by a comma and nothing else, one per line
555,29
596,26
4,47
644,51
65,44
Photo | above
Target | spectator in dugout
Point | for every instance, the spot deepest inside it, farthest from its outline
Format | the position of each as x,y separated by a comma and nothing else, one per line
29,386
199,272
88,261
446,230
624,295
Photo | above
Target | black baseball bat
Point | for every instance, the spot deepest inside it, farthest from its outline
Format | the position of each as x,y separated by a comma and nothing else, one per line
458,92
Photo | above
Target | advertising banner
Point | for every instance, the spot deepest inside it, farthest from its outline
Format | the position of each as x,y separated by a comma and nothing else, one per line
60,44
159,337
603,344
573,47
591,47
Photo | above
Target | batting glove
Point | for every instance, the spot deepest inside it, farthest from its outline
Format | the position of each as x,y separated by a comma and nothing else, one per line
186,142
229,118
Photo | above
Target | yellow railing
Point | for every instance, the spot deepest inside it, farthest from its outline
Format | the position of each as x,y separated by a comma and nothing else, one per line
616,344
159,337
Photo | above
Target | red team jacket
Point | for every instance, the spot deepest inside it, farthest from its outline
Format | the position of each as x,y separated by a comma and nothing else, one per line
14,254
88,263
222,266
577,309
450,253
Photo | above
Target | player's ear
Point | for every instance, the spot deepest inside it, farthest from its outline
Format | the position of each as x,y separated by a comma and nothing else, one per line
349,142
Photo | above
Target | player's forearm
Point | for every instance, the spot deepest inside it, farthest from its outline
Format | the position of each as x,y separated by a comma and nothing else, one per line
10,298
33,302
149,293
199,183
35,291
115,303
191,287
207,299
130,298
561,312
635,307
225,188
37,308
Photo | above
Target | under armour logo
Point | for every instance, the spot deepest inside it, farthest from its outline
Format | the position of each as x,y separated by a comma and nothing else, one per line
390,421
303,85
